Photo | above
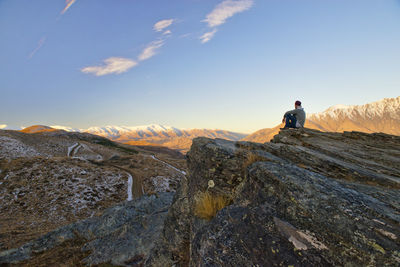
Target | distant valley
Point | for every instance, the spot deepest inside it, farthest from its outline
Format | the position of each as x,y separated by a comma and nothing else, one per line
148,135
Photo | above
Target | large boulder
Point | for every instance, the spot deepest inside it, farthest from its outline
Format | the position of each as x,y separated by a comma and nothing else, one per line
123,235
307,198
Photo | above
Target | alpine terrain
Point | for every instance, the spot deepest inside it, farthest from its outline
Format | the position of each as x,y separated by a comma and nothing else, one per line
51,178
380,116
171,137
308,198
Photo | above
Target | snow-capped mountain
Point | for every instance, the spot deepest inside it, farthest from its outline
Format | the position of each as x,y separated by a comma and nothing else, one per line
66,128
380,116
135,132
180,139
9,127
154,134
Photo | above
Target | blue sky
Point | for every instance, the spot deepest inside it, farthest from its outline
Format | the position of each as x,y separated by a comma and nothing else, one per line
233,64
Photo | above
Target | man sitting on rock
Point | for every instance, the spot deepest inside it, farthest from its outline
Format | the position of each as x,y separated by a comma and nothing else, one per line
295,118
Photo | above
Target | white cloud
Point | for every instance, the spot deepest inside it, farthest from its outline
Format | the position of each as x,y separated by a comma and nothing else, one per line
68,4
151,50
167,32
225,10
207,36
115,65
162,24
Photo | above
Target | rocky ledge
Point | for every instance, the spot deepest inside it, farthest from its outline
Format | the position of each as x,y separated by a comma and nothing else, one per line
305,199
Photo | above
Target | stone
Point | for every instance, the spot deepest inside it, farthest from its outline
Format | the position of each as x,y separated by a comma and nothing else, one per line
122,233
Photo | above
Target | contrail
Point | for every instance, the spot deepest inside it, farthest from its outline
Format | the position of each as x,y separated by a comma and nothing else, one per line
40,44
68,4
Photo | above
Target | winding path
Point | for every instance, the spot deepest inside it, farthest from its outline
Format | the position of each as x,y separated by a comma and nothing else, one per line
135,186
168,165
130,184
71,150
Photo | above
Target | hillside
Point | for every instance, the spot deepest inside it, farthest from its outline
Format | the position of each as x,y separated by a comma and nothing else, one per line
53,178
308,198
38,129
380,116
149,135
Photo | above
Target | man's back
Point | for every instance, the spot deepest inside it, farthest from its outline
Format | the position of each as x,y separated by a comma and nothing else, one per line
298,113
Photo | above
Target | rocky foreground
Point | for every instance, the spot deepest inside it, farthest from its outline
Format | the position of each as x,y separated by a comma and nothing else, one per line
306,199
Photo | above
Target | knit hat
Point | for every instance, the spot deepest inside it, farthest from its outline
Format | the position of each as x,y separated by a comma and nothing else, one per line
297,103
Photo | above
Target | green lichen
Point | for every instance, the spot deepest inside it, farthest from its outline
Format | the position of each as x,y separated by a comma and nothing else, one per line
377,247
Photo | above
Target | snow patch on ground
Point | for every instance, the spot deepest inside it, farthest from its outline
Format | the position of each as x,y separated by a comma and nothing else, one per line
130,184
83,152
13,148
59,188
71,148
162,184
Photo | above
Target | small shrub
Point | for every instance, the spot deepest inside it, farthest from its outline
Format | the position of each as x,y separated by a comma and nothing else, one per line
207,205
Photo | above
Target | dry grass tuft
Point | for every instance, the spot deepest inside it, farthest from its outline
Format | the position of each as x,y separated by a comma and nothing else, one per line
252,158
207,205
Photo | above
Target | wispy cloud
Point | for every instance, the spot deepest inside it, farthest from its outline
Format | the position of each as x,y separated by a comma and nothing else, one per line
151,50
68,4
208,36
39,45
162,24
119,65
167,32
225,10
221,13
111,65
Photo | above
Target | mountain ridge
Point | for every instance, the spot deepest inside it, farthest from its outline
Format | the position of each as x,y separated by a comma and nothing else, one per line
379,116
153,134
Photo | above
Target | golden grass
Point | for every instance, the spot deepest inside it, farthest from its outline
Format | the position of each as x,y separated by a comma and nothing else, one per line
207,205
252,158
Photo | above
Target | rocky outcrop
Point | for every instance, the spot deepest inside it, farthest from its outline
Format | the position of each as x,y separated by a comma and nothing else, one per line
306,199
124,235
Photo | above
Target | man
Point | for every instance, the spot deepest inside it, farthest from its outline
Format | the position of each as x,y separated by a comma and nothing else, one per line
295,118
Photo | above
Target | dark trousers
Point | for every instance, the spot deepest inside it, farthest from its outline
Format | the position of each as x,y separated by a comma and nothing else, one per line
290,121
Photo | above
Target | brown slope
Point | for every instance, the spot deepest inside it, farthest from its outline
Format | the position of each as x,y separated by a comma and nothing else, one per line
263,135
172,140
38,129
